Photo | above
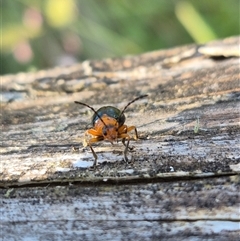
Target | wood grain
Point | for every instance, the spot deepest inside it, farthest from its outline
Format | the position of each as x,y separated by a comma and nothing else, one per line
182,180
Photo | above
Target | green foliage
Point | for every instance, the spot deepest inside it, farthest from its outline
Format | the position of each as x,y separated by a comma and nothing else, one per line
41,34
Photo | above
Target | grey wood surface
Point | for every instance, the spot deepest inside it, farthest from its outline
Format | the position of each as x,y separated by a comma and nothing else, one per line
182,180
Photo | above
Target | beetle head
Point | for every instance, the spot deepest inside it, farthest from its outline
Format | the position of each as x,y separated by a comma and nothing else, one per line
110,128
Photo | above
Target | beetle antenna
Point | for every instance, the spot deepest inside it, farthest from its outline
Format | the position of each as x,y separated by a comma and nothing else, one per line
90,107
138,98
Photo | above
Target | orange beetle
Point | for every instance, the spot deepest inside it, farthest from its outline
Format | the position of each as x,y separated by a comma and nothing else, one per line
108,124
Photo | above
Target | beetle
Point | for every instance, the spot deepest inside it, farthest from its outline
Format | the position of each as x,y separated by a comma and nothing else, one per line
108,124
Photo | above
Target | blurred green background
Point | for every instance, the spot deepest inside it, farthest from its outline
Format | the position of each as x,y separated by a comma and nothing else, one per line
37,34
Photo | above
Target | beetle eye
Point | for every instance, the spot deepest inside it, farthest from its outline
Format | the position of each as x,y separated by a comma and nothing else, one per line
104,132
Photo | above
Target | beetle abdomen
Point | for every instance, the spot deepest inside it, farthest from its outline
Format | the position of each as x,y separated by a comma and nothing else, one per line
110,111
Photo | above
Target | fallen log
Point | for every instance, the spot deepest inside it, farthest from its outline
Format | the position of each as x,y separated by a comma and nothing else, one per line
182,179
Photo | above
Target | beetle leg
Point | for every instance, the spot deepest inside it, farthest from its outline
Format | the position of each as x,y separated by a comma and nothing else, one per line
122,129
95,156
123,134
92,140
125,129
130,128
124,137
87,142
93,132
123,142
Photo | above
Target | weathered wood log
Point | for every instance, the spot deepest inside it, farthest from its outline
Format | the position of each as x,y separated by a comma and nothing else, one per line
182,181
